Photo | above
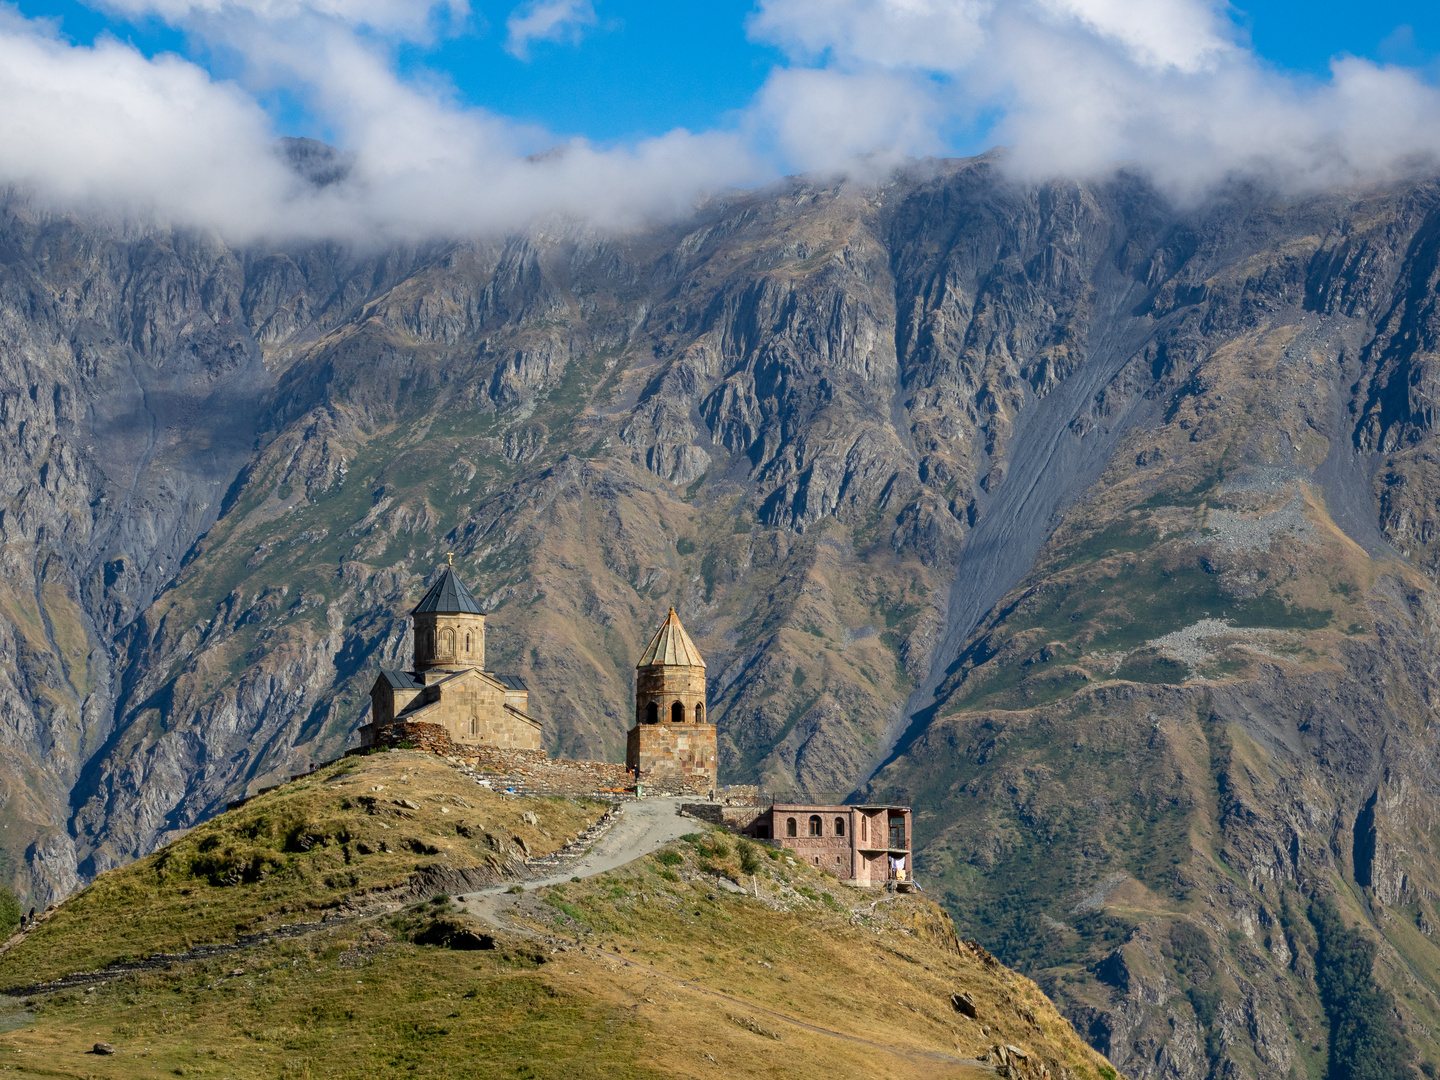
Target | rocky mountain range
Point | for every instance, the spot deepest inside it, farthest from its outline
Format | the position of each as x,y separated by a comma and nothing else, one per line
1100,528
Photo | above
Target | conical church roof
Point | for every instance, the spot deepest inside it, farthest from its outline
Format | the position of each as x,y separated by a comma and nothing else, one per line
671,645
448,596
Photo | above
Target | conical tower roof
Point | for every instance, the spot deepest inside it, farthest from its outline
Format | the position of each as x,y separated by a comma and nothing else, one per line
671,645
448,596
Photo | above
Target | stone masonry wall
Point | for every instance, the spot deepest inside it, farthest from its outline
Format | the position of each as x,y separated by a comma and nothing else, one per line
533,772
472,708
679,755
432,738
734,818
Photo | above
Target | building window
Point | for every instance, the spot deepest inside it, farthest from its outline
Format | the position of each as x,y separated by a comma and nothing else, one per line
447,642
817,828
467,643
474,726
790,826
897,832
839,826
864,828
677,713
652,713
700,713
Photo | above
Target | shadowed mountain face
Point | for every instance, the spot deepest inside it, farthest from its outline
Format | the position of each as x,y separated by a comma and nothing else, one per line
1101,530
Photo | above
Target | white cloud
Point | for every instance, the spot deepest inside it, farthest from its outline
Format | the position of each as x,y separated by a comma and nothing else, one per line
824,119
1078,85
546,20
940,35
404,19
104,126
1083,84
1187,35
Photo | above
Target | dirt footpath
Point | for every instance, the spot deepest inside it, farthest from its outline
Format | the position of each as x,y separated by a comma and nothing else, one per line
643,826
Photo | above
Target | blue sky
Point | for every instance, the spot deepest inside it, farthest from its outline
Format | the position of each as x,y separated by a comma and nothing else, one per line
647,66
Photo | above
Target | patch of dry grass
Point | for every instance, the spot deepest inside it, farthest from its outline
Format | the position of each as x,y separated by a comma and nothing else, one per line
871,969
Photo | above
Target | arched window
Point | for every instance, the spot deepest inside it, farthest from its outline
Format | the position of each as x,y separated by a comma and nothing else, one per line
652,713
790,826
447,642
474,726
817,828
677,713
467,643
839,826
864,828
700,713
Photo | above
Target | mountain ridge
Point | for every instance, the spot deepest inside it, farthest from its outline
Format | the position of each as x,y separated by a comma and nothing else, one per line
920,463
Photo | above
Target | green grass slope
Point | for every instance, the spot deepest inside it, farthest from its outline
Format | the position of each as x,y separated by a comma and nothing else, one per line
312,849
651,970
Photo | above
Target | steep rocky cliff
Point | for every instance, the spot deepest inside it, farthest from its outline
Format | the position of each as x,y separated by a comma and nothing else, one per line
1101,528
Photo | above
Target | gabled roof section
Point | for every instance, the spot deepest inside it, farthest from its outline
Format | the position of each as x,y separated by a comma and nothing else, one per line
671,645
510,682
401,680
472,673
523,716
448,596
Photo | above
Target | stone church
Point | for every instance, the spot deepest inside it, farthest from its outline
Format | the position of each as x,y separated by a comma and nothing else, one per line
672,741
449,686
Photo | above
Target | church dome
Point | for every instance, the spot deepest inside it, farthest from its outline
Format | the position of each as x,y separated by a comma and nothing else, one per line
448,596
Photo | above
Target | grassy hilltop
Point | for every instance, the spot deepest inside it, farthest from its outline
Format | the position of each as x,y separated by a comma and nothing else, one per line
652,970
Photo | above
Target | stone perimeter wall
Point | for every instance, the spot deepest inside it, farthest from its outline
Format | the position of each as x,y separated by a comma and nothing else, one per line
533,772
734,818
432,738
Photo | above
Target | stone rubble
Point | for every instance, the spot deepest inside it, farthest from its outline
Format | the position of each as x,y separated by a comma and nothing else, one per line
1187,644
1235,530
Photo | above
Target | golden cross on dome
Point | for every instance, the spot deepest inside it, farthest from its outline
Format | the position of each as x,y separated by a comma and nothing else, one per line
450,558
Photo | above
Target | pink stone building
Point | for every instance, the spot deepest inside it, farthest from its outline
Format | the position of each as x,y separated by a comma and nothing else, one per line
861,845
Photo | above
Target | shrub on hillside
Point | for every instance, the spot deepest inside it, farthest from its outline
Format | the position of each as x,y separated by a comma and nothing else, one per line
9,913
1365,1042
749,858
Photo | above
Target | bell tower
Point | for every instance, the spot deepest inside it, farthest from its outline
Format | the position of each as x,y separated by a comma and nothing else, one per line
449,629
672,739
